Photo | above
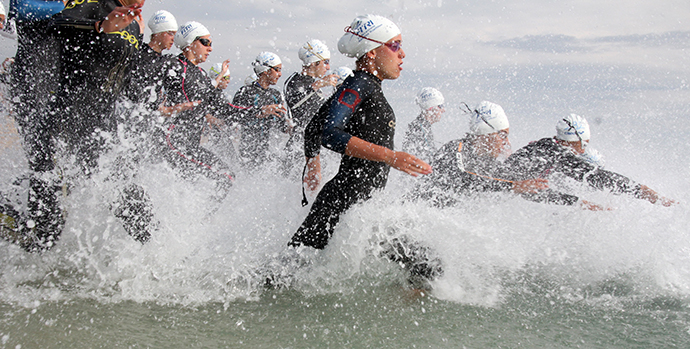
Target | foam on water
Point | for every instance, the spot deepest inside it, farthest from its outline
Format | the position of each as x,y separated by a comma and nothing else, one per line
491,245
485,243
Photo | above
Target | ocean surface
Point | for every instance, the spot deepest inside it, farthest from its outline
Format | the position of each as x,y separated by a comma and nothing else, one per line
518,274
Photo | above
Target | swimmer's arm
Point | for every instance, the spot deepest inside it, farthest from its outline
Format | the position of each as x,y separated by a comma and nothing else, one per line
401,161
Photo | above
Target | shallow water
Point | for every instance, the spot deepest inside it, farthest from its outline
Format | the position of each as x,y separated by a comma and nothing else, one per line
517,274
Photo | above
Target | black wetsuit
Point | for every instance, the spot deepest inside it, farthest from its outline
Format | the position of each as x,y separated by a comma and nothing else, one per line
94,67
419,140
301,98
146,80
34,79
460,169
254,142
186,82
357,109
545,156
90,71
303,102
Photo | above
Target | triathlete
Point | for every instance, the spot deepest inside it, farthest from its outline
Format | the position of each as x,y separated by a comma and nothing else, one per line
471,165
265,110
96,42
563,155
303,89
194,104
419,139
304,95
148,73
358,122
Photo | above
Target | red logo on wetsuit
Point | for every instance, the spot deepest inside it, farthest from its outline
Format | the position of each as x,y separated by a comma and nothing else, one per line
349,98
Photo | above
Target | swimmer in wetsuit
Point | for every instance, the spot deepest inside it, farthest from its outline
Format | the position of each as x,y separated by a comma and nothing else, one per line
563,154
419,139
358,122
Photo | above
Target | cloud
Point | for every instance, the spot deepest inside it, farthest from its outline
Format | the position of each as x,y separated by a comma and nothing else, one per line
554,43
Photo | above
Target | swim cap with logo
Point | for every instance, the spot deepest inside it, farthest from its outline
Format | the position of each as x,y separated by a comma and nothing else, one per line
188,32
313,51
488,118
162,21
429,97
354,42
572,128
343,73
264,61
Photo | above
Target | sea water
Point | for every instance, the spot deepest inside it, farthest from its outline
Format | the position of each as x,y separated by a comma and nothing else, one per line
517,274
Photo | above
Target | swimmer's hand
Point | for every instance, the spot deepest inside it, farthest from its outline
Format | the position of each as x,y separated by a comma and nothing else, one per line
646,193
409,164
273,110
586,205
119,18
313,176
530,186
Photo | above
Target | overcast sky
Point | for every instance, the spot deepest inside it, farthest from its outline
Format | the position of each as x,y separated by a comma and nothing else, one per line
442,35
474,49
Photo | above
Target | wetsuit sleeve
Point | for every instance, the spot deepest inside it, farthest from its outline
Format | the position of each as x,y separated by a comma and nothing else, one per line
244,99
221,107
616,183
342,107
313,132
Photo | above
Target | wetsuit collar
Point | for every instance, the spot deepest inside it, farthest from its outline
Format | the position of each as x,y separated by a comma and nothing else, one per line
184,59
373,77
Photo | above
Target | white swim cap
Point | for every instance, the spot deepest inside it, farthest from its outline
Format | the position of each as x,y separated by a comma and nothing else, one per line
343,73
354,43
264,61
429,97
215,70
162,21
488,118
187,33
2,10
313,51
250,79
572,128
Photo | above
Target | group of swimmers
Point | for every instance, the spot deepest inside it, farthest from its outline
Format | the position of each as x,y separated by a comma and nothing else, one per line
107,77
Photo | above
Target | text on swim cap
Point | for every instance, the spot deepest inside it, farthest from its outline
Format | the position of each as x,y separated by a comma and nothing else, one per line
186,29
159,19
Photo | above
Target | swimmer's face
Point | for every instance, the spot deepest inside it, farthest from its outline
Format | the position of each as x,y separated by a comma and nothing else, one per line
321,67
576,146
166,39
199,50
433,114
273,74
388,58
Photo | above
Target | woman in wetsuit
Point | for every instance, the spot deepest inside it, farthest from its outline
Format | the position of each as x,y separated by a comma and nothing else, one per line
358,122
194,102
